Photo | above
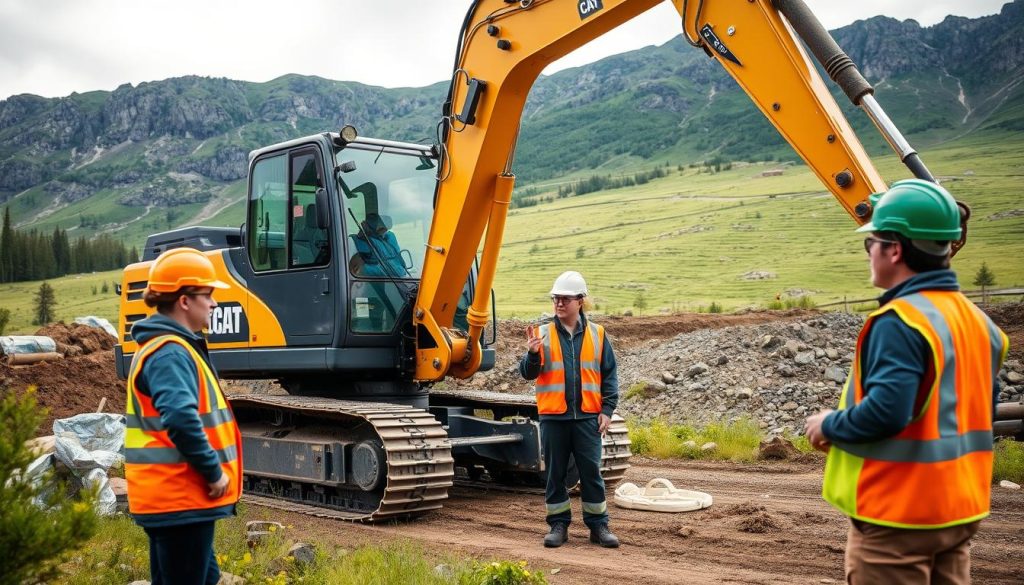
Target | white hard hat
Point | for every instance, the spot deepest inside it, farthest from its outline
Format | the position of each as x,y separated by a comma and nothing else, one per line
569,282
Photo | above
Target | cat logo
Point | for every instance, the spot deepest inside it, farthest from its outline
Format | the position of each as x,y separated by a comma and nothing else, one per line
588,7
228,323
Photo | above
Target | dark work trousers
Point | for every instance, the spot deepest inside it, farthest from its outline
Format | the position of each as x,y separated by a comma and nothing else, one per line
579,438
183,555
881,554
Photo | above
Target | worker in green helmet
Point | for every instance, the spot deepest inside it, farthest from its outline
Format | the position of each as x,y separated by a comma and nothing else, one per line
910,444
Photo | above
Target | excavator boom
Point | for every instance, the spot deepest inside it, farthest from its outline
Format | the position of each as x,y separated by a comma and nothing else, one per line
505,45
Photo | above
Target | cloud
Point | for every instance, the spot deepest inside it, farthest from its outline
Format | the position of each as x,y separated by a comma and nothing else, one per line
54,47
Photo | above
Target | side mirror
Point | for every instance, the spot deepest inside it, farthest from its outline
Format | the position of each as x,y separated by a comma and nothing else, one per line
242,235
323,216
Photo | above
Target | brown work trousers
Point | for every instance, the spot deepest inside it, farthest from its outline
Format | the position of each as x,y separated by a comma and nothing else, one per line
879,555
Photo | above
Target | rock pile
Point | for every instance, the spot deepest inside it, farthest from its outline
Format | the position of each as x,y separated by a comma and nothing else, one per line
775,373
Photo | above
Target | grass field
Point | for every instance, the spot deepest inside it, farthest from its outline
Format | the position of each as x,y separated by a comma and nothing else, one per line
687,240
74,296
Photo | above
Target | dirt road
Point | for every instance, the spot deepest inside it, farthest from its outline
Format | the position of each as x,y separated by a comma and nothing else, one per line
768,525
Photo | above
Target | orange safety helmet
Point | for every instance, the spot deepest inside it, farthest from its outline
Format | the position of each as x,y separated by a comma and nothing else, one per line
182,267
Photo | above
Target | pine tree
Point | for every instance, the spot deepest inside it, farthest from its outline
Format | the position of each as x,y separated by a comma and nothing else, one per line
45,303
984,278
33,539
640,302
7,249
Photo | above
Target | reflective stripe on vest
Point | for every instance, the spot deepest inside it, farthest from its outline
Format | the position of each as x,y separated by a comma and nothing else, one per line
550,385
936,472
160,480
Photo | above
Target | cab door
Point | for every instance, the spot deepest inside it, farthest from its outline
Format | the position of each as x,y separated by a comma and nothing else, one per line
291,256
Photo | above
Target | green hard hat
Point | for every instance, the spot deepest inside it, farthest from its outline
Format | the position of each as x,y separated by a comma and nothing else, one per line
917,209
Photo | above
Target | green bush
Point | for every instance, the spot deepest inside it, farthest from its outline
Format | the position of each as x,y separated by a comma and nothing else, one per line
34,540
736,441
1009,461
503,573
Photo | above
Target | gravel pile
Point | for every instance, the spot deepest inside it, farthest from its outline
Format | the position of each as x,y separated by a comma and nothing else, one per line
775,374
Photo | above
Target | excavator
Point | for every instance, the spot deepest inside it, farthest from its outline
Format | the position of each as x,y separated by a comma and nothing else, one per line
357,282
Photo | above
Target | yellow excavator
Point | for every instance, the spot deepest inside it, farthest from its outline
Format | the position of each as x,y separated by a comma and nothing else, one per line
357,284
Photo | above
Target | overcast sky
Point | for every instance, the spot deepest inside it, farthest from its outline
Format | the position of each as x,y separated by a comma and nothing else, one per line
54,47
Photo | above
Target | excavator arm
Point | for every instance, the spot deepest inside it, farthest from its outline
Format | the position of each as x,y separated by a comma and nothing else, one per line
503,48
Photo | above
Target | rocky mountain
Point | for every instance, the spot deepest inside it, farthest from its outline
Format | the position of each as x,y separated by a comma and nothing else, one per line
181,144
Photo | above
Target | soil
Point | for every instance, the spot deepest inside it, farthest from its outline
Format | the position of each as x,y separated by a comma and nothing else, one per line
768,525
75,384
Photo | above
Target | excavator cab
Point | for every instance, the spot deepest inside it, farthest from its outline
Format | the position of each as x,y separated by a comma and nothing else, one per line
323,271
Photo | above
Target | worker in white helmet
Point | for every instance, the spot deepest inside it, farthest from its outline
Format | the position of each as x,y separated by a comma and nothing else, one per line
577,389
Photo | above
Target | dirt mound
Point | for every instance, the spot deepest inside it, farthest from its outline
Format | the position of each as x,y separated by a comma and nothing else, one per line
1010,318
69,386
76,339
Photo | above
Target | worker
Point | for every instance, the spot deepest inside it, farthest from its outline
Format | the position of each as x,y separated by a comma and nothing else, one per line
182,446
377,249
573,364
910,446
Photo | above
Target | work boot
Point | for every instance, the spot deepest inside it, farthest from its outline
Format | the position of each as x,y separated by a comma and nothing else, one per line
601,535
557,537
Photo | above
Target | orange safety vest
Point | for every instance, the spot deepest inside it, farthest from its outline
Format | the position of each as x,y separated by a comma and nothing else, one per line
550,385
936,472
159,479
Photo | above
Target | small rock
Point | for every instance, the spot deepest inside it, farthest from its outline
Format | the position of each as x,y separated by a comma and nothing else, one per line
303,553
804,357
42,445
789,406
709,446
697,369
722,360
145,582
786,371
744,393
690,444
770,342
827,581
1014,377
836,374
556,571
229,579
696,387
667,377
444,571
263,525
1009,485
831,353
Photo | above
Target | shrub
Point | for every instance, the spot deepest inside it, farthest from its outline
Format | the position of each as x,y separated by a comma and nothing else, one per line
34,539
736,441
714,307
1009,462
5,318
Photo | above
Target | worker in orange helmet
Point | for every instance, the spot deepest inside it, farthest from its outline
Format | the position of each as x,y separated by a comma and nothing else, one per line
183,459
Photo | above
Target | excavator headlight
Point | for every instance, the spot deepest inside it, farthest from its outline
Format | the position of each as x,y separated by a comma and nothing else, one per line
346,134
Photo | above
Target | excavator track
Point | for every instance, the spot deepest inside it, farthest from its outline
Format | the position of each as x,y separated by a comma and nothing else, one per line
419,465
615,452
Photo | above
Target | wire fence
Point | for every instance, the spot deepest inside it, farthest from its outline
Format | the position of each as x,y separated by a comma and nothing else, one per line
984,295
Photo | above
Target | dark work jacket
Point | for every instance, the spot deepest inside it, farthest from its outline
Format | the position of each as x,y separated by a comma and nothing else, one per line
572,346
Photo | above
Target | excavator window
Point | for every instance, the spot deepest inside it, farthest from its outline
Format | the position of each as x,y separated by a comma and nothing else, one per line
310,245
389,206
268,221
283,231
